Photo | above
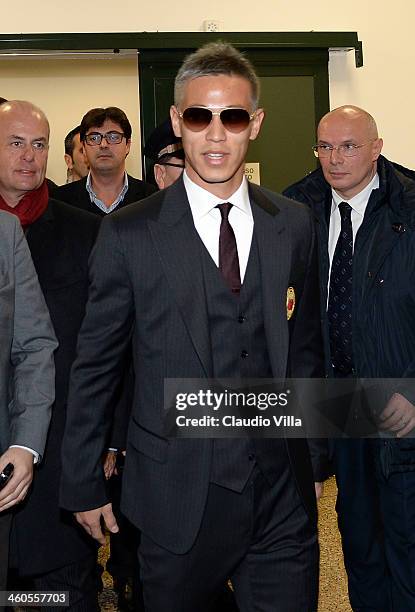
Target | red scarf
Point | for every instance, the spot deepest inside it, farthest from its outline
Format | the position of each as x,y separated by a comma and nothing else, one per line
31,206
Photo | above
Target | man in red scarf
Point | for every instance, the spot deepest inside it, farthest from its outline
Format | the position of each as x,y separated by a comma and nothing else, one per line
46,544
24,138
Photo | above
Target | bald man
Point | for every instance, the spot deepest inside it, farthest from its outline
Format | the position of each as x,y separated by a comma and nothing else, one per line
365,206
45,543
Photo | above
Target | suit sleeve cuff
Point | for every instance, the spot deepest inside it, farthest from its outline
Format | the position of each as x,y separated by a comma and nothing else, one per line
34,453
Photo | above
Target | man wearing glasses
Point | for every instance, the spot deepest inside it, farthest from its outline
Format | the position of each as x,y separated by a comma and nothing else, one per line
198,275
106,136
365,207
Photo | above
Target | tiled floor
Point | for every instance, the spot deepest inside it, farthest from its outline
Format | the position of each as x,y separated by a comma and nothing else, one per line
333,585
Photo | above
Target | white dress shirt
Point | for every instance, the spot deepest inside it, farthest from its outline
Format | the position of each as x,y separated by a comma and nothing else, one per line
358,204
207,219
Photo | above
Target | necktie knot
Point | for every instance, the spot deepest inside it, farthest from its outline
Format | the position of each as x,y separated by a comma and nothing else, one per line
345,210
224,209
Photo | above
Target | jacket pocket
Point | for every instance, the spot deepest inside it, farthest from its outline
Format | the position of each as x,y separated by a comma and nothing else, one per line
147,443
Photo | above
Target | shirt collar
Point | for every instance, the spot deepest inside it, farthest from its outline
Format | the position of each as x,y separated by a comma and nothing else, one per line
95,199
360,200
202,202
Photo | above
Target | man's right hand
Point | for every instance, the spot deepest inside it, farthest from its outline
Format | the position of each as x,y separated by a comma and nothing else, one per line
91,521
16,489
110,464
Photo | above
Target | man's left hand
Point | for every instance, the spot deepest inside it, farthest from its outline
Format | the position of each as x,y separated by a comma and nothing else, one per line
16,489
398,416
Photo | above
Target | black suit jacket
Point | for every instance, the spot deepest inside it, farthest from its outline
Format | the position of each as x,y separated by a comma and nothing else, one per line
76,194
147,281
60,242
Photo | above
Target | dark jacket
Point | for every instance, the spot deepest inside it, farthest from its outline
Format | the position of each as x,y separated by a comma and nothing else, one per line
152,284
76,194
383,284
45,538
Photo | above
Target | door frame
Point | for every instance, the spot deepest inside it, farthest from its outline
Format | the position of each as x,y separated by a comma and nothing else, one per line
299,52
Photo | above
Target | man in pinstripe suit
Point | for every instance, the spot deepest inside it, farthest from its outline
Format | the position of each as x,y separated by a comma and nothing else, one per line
243,507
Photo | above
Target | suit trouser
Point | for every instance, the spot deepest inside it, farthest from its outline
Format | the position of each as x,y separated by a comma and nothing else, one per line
79,578
262,539
5,522
397,504
123,562
361,526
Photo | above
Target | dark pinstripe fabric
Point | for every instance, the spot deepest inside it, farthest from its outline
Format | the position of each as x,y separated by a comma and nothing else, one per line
79,578
5,521
232,460
266,535
147,280
262,539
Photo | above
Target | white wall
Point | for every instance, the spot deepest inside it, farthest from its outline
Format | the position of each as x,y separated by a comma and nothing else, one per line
66,89
383,86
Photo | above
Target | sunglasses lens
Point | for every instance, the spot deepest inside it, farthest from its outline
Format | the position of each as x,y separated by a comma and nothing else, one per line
235,119
197,119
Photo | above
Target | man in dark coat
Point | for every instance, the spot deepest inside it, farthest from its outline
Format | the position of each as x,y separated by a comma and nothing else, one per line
106,136
207,509
46,543
375,478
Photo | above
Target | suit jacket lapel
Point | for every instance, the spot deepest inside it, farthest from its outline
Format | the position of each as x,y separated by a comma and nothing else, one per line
177,243
275,260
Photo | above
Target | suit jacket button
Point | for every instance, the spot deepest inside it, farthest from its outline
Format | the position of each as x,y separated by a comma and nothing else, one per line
244,354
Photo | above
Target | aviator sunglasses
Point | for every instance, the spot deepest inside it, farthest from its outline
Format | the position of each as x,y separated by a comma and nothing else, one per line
234,120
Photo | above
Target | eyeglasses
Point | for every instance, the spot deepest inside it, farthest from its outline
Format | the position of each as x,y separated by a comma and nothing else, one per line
234,120
345,150
95,138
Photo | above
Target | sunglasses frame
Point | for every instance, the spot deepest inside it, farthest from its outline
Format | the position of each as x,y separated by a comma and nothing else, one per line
217,112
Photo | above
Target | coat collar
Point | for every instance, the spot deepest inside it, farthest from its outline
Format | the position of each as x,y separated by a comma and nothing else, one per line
396,190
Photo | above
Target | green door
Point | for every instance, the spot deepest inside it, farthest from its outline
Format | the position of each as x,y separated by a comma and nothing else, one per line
294,93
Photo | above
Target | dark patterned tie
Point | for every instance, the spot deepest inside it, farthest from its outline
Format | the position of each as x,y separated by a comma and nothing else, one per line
339,309
228,252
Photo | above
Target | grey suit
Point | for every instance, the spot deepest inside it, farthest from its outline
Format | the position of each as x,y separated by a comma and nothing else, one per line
27,386
27,370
